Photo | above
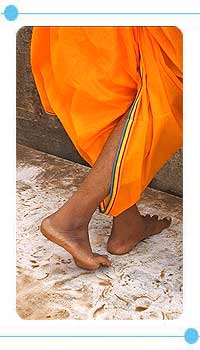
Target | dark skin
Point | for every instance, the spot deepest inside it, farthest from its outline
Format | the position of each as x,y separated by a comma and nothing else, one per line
68,226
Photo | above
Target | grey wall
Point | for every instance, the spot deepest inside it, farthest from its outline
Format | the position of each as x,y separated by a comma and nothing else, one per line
38,130
35,128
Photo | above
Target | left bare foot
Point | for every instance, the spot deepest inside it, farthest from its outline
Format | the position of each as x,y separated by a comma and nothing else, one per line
74,239
129,228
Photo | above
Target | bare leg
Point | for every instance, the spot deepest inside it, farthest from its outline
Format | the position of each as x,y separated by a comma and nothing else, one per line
68,227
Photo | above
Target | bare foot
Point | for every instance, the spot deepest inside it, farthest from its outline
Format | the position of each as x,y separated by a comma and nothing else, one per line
75,241
129,228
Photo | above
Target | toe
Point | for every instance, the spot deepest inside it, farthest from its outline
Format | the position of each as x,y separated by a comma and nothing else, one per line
102,260
167,221
155,217
93,263
163,224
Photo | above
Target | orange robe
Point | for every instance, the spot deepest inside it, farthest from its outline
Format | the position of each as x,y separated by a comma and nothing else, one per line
89,77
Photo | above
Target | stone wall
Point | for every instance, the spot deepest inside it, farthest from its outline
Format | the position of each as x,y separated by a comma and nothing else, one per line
38,130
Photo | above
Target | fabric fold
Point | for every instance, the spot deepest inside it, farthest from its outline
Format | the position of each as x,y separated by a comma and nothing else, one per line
90,76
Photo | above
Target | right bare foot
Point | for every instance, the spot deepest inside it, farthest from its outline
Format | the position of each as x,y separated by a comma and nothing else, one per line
129,228
75,241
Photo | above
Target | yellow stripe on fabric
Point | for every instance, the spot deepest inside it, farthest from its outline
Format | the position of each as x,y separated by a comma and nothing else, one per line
108,201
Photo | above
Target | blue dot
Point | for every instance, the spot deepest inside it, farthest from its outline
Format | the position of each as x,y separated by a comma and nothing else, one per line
11,12
191,335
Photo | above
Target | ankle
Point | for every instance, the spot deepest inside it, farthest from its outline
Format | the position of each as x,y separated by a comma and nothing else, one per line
66,219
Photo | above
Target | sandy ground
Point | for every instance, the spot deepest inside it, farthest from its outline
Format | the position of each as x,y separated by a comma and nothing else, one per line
144,284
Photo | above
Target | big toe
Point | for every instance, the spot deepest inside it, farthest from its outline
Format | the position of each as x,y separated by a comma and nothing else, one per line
167,221
93,262
162,224
102,260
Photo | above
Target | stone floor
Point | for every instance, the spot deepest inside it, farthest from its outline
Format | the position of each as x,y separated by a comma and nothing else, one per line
144,284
